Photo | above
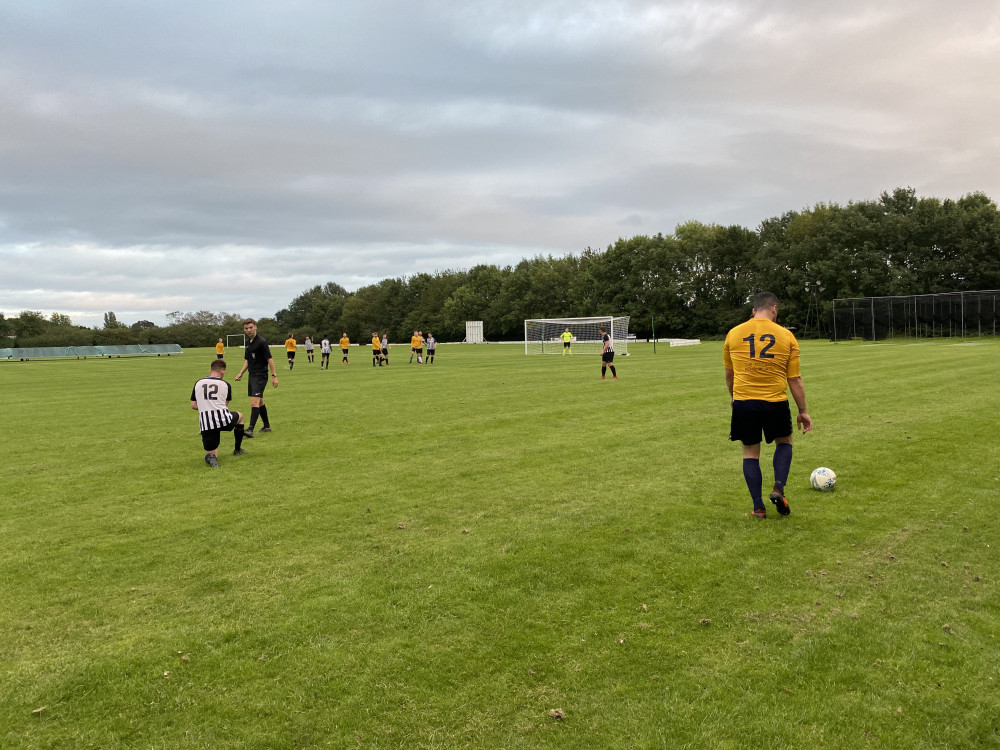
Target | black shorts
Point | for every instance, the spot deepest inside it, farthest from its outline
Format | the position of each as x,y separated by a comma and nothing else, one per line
752,417
291,355
325,354
344,351
608,357
376,352
565,345
219,356
211,438
256,385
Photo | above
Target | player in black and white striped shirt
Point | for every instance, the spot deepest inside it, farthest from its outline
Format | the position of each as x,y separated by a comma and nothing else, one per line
607,355
210,397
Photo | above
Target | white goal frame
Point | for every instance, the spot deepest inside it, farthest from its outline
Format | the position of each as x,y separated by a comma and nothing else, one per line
241,336
541,335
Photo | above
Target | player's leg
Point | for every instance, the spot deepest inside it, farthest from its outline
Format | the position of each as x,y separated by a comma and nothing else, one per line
611,366
238,434
210,440
778,427
745,427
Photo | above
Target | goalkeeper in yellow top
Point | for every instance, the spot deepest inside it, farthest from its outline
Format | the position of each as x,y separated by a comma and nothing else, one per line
761,361
567,339
290,346
376,349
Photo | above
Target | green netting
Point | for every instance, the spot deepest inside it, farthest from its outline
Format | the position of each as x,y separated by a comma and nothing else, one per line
60,352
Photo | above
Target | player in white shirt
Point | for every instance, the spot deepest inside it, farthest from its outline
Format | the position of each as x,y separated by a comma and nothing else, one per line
210,397
324,353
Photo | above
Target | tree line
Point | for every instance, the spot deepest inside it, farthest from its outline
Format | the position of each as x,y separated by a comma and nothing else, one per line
695,282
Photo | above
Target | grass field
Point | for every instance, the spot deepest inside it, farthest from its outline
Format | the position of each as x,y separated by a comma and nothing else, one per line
440,556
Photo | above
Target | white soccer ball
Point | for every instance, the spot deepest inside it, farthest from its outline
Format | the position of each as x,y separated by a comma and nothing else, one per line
823,479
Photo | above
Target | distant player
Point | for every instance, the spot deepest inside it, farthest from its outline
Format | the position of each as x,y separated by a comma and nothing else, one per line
309,349
761,361
220,349
413,346
258,360
431,346
385,348
324,352
210,397
345,346
376,349
607,355
290,345
420,347
567,339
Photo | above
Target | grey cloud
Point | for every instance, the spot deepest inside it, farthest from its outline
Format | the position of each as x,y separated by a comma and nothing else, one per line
354,141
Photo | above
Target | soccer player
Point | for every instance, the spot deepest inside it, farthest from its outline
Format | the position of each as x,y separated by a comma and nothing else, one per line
420,347
309,349
761,361
345,345
324,352
567,339
258,360
413,346
607,355
210,397
385,348
376,349
290,345
431,346
220,349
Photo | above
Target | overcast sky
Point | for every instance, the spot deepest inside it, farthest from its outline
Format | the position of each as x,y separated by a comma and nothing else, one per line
229,155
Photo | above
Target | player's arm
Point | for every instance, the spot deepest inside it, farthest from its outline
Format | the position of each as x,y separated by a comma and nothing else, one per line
274,374
243,369
803,420
194,405
730,380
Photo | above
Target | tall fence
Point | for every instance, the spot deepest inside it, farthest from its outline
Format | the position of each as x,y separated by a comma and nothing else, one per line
958,314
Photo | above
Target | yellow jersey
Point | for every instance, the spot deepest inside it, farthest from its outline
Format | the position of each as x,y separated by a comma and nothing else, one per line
376,343
762,356
566,336
220,349
345,342
290,345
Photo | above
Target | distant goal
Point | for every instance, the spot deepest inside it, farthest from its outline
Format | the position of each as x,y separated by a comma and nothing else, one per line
543,335
236,339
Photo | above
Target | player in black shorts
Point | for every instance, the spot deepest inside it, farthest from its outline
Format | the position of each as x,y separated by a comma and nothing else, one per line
258,361
607,355
210,397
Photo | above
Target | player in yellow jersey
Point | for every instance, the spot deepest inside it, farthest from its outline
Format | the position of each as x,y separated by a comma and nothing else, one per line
761,361
567,339
220,349
376,349
290,345
414,343
345,345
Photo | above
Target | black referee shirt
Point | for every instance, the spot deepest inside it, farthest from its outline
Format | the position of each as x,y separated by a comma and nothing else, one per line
257,353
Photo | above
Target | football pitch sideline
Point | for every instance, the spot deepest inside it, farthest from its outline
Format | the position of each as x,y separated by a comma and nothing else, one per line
500,551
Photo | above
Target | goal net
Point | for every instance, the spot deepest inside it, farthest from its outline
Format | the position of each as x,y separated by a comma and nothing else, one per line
544,335
236,339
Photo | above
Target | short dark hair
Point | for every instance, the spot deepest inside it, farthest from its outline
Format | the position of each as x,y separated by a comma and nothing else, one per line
218,365
764,299
249,320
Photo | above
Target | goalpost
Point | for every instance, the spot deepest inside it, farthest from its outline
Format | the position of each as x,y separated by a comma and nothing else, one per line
542,335
240,340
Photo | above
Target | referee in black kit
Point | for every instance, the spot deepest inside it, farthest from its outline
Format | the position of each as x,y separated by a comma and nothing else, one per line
258,361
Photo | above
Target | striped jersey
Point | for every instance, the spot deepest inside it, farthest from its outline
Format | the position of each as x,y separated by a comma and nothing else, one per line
610,344
212,396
